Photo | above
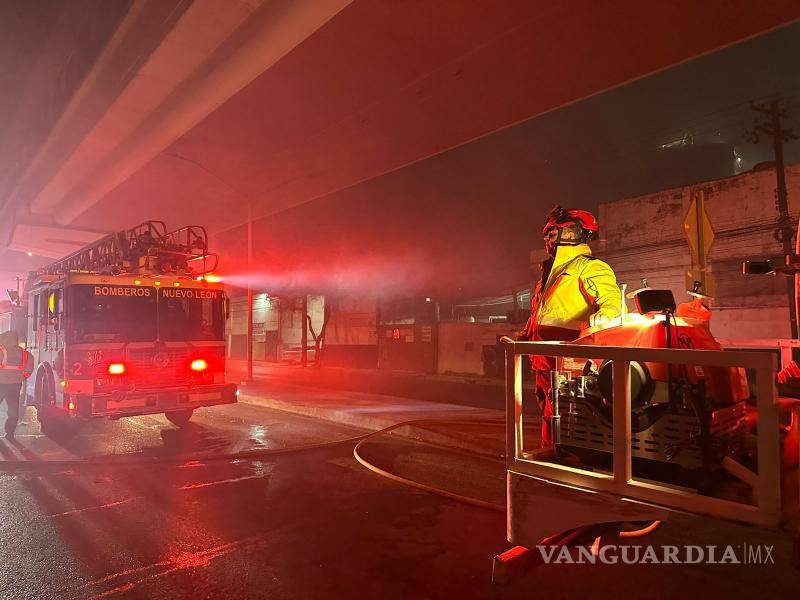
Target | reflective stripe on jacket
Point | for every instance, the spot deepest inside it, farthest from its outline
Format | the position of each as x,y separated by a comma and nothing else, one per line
577,287
15,364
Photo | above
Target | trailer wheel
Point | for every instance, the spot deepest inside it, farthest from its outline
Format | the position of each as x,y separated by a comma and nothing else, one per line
180,417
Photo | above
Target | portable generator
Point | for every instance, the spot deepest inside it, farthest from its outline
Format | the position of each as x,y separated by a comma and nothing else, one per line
681,415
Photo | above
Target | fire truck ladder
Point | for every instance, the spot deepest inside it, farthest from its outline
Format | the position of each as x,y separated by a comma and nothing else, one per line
190,245
148,247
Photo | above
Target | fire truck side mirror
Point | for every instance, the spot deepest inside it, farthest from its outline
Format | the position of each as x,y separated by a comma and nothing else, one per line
226,303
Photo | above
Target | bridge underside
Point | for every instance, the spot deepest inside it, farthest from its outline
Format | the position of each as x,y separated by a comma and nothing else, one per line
354,133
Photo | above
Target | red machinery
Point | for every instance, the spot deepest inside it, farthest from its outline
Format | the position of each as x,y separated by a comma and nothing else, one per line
684,416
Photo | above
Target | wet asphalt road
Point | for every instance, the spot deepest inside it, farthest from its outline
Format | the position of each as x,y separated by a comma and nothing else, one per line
311,524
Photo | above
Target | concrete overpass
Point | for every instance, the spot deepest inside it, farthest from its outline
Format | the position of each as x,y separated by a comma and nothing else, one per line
216,112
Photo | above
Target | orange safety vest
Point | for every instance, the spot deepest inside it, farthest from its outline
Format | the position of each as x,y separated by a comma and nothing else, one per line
22,367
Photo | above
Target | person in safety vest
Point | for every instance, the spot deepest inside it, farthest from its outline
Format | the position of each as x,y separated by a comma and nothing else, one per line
15,367
575,288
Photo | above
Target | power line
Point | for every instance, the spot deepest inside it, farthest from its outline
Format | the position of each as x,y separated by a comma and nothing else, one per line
706,118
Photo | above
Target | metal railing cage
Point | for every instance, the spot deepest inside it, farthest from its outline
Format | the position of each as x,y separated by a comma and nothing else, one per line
766,483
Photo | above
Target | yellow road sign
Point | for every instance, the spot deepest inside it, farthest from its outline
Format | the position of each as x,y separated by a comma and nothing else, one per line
698,230
700,236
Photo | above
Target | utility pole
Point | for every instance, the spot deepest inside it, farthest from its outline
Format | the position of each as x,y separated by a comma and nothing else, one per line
18,301
304,331
249,292
770,126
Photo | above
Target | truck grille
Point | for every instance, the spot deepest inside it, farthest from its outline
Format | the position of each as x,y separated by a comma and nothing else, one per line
159,368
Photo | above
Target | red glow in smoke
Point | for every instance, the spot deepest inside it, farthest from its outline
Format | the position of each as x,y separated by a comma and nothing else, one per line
407,275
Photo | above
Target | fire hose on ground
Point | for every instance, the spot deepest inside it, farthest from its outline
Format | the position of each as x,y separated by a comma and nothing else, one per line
565,538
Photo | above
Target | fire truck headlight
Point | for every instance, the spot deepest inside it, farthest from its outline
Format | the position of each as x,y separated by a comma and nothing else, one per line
199,364
116,369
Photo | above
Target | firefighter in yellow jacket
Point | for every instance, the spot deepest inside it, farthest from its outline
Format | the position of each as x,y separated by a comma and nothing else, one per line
15,367
575,288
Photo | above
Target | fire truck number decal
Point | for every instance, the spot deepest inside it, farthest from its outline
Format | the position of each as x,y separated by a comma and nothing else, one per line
95,357
77,368
199,294
118,290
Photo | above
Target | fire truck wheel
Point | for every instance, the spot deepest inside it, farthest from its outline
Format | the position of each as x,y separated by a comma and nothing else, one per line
180,417
44,411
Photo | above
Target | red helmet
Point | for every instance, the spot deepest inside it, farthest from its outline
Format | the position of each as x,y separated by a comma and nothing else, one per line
561,217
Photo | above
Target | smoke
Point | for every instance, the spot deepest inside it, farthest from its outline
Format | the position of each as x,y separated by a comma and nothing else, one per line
410,275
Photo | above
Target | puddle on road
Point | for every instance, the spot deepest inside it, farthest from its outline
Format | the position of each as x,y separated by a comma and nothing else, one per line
218,431
150,436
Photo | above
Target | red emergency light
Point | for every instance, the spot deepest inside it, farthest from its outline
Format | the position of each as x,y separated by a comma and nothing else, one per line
199,364
116,369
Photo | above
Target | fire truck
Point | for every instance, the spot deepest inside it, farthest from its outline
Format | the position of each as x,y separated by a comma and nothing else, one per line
132,324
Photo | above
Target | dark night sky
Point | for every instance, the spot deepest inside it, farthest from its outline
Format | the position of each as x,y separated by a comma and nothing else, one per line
604,148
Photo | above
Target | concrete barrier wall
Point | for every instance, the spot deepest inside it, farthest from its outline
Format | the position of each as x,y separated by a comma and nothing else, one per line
461,344
644,237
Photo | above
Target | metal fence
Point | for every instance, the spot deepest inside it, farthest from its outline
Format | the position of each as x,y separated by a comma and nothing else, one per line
766,482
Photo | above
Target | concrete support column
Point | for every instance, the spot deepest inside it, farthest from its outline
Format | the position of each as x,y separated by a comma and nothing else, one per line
249,292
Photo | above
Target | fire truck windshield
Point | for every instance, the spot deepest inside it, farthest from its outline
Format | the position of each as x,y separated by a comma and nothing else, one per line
186,314
116,313
111,313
